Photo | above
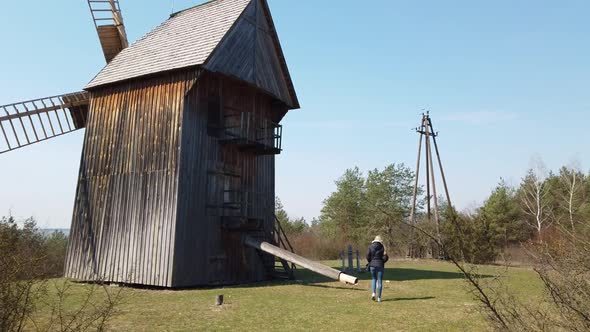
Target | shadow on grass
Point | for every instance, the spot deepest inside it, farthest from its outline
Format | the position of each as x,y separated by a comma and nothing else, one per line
306,277
393,274
311,284
405,274
407,299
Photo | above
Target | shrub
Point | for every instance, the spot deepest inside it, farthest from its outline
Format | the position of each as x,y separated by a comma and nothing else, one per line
27,260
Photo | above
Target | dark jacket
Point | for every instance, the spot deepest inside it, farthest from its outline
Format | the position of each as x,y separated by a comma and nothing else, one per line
376,255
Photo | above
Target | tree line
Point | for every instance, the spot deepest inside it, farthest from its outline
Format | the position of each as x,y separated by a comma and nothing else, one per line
364,205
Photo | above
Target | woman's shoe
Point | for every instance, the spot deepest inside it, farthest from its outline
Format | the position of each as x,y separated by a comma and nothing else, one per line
373,297
379,300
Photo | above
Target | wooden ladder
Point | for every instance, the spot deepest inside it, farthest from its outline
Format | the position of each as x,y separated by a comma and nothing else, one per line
108,21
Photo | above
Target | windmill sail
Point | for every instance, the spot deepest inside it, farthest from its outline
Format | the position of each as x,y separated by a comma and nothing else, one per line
109,25
33,121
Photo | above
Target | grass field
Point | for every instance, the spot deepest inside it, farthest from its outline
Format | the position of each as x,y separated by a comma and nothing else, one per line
418,296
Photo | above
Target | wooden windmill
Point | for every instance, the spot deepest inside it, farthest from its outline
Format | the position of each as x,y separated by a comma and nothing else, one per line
178,164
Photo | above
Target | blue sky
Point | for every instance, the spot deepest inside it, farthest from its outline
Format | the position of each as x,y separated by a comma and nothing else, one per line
505,81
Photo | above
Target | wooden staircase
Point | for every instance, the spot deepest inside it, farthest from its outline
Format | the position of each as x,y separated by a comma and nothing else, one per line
282,268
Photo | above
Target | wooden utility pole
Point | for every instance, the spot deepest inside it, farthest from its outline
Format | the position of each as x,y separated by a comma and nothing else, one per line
428,137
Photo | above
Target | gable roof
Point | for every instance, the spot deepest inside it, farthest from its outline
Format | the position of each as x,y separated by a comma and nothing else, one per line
166,47
251,52
188,38
281,55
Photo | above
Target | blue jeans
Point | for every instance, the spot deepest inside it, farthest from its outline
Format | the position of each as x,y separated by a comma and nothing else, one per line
377,275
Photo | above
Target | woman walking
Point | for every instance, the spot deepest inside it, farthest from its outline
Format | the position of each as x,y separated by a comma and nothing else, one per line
377,257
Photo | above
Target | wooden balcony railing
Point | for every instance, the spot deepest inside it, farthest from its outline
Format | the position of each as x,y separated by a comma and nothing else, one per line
249,131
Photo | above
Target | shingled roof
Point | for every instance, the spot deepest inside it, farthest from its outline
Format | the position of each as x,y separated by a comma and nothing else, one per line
186,39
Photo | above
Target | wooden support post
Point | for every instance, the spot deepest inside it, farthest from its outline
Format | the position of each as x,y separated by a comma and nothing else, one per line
432,178
350,264
413,210
440,166
426,130
425,127
301,261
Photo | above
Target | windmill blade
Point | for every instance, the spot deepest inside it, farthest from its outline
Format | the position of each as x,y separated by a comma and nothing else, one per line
109,25
37,120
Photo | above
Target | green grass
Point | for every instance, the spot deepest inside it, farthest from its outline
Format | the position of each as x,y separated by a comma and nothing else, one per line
417,296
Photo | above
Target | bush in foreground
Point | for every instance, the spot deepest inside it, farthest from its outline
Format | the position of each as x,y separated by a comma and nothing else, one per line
27,260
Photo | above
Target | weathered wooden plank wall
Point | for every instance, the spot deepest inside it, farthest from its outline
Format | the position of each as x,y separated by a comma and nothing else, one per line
124,220
148,175
205,252
243,264
192,231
